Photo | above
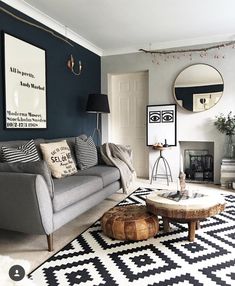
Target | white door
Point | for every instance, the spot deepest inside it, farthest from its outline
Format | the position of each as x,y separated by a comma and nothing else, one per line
127,125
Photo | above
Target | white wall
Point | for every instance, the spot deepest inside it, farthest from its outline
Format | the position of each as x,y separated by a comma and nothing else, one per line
190,126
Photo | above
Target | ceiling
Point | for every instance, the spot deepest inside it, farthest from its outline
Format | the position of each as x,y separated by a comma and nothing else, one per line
120,26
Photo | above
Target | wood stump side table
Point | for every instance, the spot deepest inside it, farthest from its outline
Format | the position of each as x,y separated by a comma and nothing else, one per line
129,223
189,211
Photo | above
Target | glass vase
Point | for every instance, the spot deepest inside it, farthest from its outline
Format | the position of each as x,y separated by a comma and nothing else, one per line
229,147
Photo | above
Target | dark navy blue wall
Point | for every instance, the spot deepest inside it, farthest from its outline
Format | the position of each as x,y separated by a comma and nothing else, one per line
66,93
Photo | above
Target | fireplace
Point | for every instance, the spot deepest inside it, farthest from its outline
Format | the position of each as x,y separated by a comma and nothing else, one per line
198,162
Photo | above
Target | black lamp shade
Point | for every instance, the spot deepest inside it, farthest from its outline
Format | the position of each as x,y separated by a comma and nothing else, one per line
98,103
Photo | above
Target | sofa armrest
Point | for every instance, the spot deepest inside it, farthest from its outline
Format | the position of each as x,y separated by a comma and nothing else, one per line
25,203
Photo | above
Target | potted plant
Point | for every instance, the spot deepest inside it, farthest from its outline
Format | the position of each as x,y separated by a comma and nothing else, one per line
226,125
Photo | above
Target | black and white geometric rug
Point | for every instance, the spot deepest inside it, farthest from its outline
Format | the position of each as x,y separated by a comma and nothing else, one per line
167,259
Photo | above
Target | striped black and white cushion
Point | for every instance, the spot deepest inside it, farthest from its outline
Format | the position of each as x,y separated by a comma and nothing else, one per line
24,153
86,153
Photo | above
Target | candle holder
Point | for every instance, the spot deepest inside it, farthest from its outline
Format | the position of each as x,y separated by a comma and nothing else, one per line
71,63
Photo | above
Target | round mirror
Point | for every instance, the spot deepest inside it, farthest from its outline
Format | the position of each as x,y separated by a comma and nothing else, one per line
198,87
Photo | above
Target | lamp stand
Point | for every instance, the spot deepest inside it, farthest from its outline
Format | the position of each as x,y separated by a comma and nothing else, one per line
97,130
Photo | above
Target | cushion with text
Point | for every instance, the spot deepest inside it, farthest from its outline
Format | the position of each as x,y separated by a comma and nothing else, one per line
59,158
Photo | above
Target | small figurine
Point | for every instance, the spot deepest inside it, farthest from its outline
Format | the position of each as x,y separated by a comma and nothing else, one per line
165,144
182,181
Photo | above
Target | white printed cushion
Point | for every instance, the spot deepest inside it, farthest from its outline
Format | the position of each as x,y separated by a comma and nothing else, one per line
59,159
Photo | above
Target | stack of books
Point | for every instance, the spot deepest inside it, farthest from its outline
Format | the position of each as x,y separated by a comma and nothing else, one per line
227,172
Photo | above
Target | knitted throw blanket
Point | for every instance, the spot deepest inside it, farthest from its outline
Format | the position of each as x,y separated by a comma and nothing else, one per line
121,157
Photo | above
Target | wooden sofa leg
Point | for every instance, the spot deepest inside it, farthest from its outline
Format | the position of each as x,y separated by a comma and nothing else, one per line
50,242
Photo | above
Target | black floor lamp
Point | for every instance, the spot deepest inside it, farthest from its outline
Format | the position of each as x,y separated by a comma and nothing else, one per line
97,103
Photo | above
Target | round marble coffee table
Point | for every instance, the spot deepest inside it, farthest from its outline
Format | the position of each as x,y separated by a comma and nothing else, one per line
190,210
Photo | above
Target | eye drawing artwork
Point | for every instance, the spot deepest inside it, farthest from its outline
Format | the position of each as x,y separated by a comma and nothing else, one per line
167,116
155,117
161,124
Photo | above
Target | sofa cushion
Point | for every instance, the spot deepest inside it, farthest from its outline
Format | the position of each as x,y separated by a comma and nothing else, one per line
86,153
107,173
71,189
22,153
70,141
38,167
15,143
59,159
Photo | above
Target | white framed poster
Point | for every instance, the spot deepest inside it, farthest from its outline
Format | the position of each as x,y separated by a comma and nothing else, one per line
25,85
161,124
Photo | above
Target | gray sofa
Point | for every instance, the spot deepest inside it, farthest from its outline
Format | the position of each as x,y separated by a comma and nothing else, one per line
27,206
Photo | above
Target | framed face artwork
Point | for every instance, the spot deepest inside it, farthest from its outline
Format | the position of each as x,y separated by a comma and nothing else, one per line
25,85
161,124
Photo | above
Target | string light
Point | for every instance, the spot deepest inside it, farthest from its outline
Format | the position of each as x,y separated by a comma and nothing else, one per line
36,26
171,54
163,52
